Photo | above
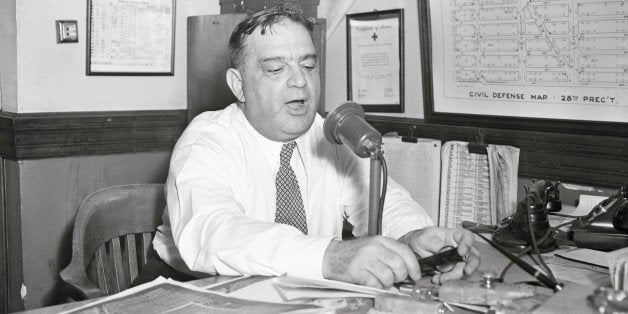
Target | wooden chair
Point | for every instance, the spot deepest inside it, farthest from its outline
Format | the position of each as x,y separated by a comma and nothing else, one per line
113,230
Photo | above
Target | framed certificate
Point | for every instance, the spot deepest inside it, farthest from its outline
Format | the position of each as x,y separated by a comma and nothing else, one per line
375,60
526,65
130,37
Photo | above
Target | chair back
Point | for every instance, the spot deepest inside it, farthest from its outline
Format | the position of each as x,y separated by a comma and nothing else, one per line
113,231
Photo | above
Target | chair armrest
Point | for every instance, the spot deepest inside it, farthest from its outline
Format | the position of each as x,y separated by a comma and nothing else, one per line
77,285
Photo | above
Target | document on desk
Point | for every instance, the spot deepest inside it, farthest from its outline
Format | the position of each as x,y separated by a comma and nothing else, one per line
416,167
476,187
169,296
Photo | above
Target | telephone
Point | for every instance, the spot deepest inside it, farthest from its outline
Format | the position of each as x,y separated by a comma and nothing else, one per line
515,232
605,228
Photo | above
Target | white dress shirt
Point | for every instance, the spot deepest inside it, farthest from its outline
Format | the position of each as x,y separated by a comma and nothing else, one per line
220,193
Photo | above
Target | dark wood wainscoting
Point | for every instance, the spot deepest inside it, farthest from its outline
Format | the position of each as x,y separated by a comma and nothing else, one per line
46,135
576,158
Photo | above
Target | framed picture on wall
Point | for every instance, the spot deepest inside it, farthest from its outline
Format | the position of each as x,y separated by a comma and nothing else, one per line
522,66
375,77
130,37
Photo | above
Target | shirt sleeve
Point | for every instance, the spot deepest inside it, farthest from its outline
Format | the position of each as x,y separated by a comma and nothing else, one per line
401,213
209,225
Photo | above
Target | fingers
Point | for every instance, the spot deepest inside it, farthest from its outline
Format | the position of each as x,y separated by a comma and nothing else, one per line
456,273
396,266
464,239
466,249
404,267
473,260
382,273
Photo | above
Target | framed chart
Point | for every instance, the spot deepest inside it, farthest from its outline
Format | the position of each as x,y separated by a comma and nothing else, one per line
523,64
375,77
130,37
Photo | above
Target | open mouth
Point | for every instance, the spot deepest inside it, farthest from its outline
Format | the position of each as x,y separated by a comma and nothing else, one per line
297,106
296,103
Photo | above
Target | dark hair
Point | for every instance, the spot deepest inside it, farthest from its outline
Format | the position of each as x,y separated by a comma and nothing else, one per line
264,19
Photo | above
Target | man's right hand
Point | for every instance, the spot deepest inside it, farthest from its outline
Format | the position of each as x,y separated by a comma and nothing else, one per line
375,261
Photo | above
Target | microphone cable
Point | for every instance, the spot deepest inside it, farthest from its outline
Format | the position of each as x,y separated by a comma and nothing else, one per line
382,197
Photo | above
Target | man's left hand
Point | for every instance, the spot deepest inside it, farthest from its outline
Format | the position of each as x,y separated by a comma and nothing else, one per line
431,240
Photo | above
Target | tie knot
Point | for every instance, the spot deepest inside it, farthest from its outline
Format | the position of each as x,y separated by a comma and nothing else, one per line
286,152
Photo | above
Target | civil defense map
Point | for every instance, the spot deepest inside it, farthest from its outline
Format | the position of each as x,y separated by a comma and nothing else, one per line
571,53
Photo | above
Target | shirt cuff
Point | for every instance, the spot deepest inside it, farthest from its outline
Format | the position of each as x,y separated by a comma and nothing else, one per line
403,226
308,262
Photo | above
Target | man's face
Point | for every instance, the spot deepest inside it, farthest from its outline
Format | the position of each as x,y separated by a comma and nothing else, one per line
280,78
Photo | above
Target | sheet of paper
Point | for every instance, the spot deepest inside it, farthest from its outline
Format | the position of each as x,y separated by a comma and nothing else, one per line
475,187
464,186
589,256
287,289
503,164
169,296
586,204
575,272
618,267
416,167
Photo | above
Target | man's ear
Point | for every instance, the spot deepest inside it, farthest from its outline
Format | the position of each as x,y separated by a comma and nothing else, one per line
234,80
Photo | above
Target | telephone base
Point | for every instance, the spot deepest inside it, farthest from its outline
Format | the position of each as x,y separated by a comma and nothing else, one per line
506,238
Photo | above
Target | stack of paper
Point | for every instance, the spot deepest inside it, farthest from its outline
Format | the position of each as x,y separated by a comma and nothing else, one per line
618,268
452,184
416,167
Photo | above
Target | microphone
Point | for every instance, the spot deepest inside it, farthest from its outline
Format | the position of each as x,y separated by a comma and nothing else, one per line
346,125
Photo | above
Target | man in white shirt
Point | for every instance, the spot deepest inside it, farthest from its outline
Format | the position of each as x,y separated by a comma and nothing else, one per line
229,208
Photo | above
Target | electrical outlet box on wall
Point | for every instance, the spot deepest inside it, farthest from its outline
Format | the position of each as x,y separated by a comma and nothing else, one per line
67,31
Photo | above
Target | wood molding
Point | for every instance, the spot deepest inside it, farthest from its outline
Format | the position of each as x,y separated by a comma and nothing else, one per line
49,135
575,158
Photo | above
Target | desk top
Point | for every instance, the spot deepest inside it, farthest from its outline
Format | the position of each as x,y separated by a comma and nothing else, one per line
571,299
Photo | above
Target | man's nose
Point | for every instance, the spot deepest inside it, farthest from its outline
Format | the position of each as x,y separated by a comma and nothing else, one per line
297,78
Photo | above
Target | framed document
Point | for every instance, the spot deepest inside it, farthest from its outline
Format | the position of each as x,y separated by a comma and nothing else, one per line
526,65
130,37
375,60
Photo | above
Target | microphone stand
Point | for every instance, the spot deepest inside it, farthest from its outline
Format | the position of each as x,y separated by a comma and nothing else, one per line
346,125
375,183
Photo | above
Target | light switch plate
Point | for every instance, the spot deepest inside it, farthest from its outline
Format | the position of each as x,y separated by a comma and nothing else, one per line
67,31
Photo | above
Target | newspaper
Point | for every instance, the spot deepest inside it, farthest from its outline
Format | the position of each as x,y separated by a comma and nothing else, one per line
169,296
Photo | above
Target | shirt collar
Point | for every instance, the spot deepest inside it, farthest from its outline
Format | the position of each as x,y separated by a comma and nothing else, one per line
271,149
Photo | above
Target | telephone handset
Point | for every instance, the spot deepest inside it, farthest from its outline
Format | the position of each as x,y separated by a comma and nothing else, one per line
606,226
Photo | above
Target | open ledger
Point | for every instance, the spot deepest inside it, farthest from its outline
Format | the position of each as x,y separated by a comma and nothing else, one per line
452,184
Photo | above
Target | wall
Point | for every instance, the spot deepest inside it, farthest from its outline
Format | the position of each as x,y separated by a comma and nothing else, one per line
51,77
8,56
336,68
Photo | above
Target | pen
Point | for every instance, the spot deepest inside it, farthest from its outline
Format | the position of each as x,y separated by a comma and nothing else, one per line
525,266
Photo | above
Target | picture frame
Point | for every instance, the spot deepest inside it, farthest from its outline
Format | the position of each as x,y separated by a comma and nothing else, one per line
375,60
518,67
131,37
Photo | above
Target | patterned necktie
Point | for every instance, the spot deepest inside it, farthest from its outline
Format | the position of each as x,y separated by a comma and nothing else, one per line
289,202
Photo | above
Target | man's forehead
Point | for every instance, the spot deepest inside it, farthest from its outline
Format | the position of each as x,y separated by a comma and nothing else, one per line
282,38
281,29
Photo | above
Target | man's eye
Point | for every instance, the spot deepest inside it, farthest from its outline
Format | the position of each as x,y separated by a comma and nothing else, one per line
309,66
274,70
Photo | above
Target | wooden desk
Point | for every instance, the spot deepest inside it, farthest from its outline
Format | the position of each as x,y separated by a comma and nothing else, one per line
572,299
